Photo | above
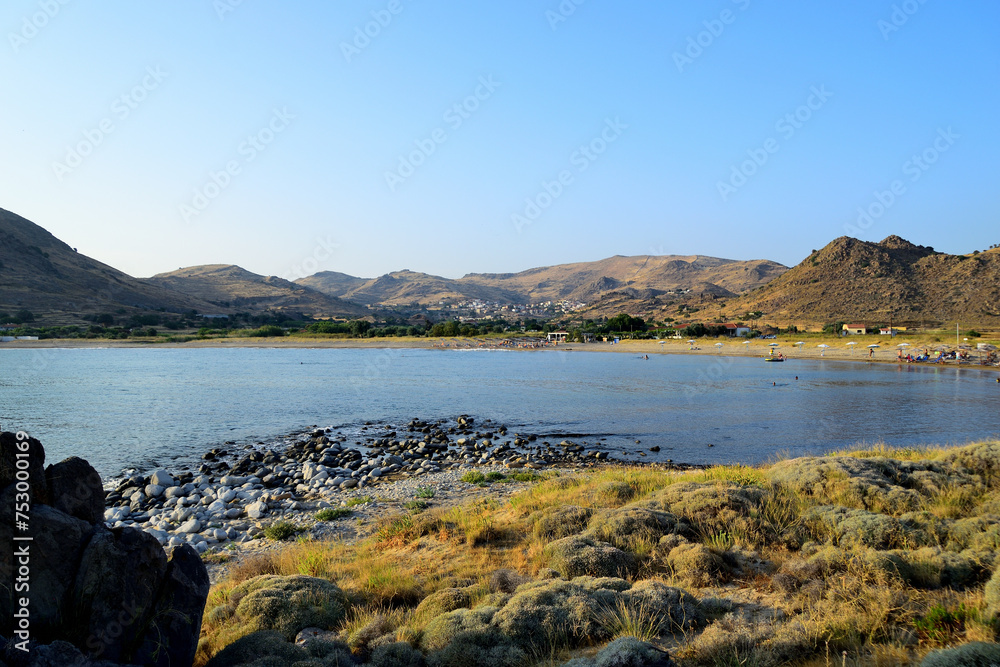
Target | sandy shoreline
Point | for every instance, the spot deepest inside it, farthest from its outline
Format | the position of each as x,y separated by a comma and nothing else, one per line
838,350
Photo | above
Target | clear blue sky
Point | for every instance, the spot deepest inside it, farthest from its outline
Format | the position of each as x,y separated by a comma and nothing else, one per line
182,85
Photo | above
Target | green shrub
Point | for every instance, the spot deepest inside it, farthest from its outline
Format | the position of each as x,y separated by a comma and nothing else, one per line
257,645
359,500
479,647
397,654
494,476
267,331
976,654
425,492
933,567
941,626
287,604
332,513
694,563
443,629
526,476
578,556
614,493
506,581
560,521
473,477
370,633
674,609
416,505
443,601
631,652
992,595
846,527
625,526
282,530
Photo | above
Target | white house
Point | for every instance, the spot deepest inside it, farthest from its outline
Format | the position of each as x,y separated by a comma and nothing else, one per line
735,330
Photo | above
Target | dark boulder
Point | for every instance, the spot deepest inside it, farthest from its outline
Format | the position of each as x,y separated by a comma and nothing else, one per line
97,597
14,449
75,488
53,556
171,638
115,591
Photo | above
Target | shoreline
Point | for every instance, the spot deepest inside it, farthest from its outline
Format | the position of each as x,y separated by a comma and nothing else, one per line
755,348
230,499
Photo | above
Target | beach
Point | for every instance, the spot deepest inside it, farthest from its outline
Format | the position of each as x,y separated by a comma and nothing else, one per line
838,349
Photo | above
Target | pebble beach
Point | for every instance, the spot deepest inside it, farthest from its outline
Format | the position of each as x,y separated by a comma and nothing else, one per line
234,495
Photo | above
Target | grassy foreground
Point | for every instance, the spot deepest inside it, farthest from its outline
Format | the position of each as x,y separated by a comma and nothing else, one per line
872,557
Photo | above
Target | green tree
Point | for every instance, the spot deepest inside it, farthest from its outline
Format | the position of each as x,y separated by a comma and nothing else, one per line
360,327
625,322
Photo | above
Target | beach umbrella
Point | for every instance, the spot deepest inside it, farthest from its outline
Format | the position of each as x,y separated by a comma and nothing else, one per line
823,346
718,345
851,345
874,345
903,345
772,344
691,341
800,343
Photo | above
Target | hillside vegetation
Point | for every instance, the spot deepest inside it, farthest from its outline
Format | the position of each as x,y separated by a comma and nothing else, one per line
40,273
867,282
645,275
861,557
228,286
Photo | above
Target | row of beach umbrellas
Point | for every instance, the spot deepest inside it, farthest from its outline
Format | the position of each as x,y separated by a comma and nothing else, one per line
851,344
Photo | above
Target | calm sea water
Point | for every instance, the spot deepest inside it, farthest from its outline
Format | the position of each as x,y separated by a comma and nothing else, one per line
125,409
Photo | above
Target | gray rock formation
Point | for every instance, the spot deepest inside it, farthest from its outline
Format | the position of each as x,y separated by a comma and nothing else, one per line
96,596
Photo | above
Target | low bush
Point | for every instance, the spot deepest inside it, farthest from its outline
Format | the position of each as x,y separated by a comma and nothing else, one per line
975,654
286,604
282,530
332,513
583,556
473,477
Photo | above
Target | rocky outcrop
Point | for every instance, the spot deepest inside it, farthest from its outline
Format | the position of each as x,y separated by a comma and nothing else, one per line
95,596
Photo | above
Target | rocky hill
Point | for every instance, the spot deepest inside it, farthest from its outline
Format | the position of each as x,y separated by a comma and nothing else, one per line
859,280
402,288
40,273
640,277
228,286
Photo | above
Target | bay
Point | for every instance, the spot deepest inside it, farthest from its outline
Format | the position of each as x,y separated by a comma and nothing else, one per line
127,409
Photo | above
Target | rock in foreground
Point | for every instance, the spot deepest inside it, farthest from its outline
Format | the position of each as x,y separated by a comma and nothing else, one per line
95,596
